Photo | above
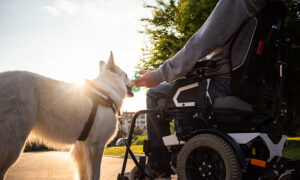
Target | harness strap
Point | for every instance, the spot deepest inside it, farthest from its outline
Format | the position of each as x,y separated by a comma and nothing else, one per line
98,96
88,125
103,98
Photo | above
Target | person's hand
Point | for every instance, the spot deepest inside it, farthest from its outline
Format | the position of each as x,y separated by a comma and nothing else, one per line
146,80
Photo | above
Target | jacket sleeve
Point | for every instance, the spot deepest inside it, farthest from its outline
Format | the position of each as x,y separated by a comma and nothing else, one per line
220,26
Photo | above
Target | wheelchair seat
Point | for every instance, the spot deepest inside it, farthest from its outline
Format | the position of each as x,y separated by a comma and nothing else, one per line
231,102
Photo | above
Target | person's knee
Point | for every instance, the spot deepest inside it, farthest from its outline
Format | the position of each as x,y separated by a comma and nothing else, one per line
156,96
150,93
150,100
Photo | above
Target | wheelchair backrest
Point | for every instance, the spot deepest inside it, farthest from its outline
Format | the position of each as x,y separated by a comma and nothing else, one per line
257,79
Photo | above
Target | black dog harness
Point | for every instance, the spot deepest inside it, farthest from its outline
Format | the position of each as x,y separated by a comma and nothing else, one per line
98,96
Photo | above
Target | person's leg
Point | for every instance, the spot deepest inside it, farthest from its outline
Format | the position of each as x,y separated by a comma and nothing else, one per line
219,87
159,160
157,128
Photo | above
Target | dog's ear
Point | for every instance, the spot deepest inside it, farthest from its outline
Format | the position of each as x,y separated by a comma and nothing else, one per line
101,66
110,63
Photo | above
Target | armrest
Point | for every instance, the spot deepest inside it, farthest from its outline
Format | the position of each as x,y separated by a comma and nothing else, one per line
205,65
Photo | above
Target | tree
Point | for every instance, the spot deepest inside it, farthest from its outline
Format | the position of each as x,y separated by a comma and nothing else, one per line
292,31
173,22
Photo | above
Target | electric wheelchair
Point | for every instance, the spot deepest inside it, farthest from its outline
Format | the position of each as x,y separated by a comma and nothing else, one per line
231,137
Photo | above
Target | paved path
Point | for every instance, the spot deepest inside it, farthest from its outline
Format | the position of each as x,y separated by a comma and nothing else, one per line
55,165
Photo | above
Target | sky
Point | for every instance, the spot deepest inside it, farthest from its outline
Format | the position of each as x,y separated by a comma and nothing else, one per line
65,39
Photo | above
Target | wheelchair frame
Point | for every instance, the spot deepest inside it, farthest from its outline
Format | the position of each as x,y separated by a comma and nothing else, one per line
275,162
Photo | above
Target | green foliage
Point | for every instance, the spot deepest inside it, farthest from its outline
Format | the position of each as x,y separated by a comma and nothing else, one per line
140,140
173,22
292,31
172,126
292,150
138,132
135,138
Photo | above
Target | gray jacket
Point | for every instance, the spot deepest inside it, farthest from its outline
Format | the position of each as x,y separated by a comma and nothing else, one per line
213,40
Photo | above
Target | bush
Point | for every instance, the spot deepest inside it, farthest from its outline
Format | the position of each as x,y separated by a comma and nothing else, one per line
140,140
292,150
138,132
31,146
135,138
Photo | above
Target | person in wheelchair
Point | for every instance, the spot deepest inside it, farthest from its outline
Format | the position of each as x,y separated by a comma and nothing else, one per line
225,38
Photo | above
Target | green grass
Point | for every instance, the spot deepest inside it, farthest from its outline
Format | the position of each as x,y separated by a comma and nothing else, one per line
292,150
120,151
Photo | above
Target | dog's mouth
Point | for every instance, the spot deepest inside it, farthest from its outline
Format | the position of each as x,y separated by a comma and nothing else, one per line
129,91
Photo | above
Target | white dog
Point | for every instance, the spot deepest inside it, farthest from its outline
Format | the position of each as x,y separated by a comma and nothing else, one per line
56,112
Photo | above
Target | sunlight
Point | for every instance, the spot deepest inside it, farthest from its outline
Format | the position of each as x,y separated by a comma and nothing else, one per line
136,103
89,70
79,82
65,40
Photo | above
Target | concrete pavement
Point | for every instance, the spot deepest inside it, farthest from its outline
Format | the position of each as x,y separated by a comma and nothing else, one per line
54,165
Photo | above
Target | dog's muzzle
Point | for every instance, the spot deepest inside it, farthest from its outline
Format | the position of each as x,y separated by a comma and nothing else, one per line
129,91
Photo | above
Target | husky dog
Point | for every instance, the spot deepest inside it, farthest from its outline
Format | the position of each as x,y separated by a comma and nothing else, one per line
56,112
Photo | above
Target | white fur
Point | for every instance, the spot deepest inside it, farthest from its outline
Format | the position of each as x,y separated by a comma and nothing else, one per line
55,112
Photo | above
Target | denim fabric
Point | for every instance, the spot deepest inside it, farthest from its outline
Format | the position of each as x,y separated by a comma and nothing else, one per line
159,91
219,87
157,128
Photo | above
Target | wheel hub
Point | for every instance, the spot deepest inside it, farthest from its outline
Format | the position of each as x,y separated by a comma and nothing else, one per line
205,169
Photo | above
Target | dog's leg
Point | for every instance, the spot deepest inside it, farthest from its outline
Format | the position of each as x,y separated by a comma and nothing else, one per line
14,130
80,159
88,159
96,153
10,151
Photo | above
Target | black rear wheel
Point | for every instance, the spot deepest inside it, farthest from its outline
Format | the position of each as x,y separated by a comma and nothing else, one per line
209,157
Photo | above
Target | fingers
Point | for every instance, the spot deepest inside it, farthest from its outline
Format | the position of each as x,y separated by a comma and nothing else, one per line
143,80
143,72
138,82
146,80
